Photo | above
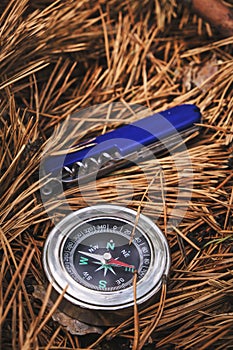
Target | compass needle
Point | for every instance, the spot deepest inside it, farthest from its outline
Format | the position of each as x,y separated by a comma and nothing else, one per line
94,256
118,263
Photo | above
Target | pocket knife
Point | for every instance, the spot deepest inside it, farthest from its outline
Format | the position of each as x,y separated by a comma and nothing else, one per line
128,144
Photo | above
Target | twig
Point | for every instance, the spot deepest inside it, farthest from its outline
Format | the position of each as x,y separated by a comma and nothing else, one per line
215,12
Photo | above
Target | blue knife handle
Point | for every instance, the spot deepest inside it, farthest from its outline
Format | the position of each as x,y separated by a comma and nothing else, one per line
129,138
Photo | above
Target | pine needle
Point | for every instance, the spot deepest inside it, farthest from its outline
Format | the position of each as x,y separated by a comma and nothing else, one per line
60,57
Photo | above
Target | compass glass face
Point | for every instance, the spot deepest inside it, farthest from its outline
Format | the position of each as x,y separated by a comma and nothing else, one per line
99,254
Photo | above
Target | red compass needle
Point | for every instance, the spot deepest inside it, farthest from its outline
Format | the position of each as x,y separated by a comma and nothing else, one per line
119,263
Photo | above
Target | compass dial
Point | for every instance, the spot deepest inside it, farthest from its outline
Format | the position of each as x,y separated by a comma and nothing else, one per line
99,254
95,252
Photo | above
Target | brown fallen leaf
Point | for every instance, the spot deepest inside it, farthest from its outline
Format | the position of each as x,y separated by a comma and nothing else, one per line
197,74
72,325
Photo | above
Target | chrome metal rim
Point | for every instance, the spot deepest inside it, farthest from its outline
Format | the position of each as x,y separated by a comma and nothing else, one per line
82,296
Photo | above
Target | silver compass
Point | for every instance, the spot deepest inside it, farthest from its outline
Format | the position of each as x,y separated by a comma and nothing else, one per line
94,253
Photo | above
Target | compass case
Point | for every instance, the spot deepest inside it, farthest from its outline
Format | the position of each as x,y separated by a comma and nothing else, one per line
94,252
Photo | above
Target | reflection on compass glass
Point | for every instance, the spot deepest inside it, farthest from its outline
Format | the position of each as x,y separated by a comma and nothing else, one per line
99,254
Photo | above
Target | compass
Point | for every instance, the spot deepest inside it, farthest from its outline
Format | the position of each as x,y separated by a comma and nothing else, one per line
95,252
